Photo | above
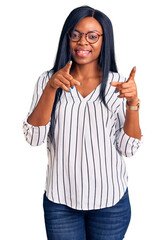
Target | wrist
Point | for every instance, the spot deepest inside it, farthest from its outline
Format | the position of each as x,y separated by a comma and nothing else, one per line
50,87
133,102
134,105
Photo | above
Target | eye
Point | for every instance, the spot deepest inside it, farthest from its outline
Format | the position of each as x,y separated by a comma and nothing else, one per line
75,35
92,36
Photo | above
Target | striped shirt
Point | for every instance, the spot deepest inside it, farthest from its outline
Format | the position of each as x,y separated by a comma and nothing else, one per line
86,169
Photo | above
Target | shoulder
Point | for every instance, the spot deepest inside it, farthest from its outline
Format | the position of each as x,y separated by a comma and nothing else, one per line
43,78
42,81
116,77
45,75
112,100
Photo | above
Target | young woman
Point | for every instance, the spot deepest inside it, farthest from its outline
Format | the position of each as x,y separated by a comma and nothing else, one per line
80,107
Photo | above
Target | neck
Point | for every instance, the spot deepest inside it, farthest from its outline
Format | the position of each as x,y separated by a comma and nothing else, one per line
86,71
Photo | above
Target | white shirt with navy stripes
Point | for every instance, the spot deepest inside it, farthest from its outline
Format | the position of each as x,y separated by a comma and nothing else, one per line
86,168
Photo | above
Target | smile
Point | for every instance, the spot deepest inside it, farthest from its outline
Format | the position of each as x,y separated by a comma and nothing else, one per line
82,53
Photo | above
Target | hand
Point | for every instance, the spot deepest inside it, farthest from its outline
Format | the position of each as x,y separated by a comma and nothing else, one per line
62,78
127,89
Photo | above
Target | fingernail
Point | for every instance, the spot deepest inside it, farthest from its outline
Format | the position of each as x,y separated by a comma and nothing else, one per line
72,87
69,61
80,83
115,91
69,90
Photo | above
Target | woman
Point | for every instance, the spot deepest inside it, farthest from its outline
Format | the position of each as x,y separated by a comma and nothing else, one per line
80,106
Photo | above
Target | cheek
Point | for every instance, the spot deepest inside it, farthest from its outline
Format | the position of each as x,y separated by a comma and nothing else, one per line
97,48
71,46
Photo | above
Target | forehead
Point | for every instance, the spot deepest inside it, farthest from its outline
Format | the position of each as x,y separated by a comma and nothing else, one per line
87,24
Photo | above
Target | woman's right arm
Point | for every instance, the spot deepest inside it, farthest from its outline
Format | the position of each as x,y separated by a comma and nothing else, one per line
35,132
37,122
42,113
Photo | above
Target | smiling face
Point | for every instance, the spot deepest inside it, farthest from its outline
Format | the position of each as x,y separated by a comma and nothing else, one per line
92,51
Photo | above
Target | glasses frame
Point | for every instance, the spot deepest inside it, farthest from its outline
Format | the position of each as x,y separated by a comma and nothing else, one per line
81,34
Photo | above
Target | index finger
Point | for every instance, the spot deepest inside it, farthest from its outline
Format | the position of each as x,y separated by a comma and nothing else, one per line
68,66
132,74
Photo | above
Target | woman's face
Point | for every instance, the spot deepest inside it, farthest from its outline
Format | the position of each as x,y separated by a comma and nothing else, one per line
85,25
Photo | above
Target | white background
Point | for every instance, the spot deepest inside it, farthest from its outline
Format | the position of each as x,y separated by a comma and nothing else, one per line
30,32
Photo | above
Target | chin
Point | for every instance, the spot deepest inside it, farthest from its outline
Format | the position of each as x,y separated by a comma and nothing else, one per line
82,60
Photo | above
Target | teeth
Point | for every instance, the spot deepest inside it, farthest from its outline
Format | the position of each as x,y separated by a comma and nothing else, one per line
82,51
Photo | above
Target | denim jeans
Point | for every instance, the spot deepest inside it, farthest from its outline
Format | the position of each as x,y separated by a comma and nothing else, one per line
65,223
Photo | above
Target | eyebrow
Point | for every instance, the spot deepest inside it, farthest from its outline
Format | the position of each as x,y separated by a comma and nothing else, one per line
88,31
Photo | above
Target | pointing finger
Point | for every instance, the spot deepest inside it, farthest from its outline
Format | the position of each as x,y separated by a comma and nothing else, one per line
132,74
68,66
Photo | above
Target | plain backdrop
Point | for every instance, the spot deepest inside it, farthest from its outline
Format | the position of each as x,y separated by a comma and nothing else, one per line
30,32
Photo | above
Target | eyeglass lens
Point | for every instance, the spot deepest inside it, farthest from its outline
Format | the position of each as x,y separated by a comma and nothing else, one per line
91,36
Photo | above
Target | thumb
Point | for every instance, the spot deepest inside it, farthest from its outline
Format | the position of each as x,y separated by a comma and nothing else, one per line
68,66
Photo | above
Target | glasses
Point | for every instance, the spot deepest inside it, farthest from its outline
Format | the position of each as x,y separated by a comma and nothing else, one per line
91,37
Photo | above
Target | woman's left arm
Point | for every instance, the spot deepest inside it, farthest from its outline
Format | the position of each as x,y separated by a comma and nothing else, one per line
131,125
128,90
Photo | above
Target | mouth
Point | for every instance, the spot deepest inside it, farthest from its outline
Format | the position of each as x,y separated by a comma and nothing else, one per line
82,53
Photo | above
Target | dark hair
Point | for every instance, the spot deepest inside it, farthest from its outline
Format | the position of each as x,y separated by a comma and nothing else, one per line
106,58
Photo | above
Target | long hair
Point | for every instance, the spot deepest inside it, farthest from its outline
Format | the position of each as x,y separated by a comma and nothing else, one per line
106,58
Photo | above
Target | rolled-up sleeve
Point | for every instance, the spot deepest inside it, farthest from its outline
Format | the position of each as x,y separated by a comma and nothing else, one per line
126,145
36,135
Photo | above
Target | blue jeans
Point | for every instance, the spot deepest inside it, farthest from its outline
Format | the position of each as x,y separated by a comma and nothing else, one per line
65,223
